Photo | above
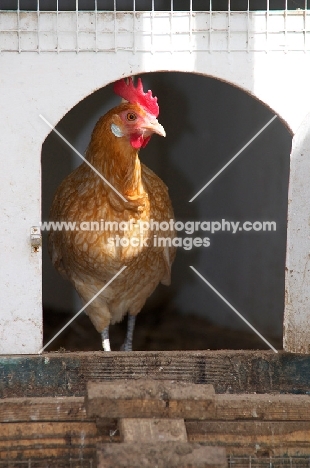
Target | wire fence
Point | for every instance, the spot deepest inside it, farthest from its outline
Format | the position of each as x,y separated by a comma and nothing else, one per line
227,30
269,462
233,462
153,5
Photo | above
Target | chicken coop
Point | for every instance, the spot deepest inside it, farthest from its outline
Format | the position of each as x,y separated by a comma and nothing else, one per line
232,81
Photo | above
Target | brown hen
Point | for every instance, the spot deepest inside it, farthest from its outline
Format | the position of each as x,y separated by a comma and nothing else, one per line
92,254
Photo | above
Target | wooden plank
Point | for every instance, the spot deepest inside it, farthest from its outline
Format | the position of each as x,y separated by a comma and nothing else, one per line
164,455
66,374
149,398
48,439
259,438
262,407
52,462
154,430
258,425
44,454
266,407
42,409
152,398
25,433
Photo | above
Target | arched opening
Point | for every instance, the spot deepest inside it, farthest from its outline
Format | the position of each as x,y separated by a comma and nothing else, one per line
207,122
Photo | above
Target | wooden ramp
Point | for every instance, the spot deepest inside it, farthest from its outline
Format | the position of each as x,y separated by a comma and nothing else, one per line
150,419
87,418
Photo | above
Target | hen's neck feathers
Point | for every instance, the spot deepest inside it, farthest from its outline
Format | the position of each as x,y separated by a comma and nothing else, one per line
115,158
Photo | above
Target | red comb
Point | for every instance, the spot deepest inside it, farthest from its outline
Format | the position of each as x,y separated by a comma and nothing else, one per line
136,95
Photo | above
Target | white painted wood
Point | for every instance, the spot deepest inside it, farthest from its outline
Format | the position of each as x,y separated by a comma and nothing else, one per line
51,84
297,300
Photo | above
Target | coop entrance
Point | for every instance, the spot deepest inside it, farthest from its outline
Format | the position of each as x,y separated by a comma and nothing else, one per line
207,122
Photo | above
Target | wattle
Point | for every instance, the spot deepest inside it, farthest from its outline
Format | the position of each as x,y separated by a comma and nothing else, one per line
138,141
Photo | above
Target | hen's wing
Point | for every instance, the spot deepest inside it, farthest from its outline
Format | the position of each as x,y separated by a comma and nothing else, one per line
66,207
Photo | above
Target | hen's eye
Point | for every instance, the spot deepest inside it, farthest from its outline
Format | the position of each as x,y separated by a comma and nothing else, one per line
131,116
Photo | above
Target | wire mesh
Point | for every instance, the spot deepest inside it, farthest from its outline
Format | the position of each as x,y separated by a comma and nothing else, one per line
233,462
156,5
269,462
163,25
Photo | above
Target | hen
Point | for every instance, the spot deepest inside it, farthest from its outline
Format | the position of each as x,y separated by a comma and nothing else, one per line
136,204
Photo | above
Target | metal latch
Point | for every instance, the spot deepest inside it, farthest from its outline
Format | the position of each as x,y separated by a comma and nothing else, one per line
35,239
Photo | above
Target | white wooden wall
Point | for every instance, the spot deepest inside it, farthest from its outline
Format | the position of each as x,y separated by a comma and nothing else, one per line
297,297
276,71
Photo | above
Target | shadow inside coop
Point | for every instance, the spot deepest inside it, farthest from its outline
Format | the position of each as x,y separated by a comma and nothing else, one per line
156,330
207,122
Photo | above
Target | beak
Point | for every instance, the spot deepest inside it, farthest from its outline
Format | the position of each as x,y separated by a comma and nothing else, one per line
154,127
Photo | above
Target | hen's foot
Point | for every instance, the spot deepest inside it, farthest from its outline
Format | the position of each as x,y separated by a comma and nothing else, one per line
105,339
127,345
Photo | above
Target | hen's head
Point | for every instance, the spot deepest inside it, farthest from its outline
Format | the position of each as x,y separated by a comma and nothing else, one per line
136,118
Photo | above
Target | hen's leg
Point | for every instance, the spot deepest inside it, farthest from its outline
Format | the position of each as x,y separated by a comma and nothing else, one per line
127,345
105,339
